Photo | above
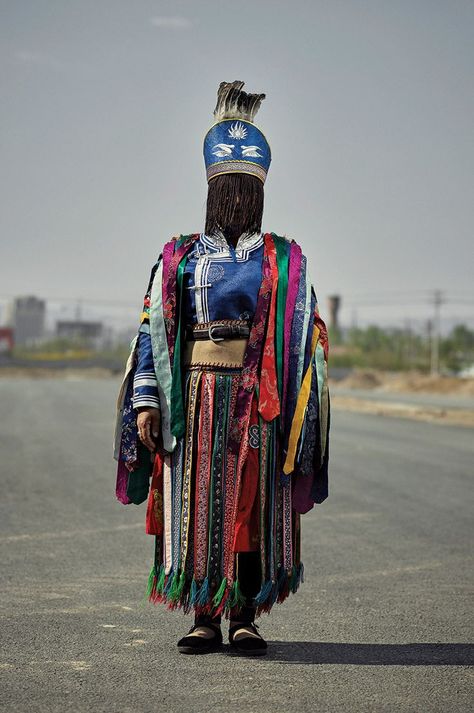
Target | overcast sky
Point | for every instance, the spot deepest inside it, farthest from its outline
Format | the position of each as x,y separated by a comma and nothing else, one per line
369,113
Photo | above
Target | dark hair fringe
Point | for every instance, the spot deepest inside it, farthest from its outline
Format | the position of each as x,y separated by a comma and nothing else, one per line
227,214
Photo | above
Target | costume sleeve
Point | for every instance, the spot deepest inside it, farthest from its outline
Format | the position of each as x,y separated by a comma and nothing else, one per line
134,461
145,386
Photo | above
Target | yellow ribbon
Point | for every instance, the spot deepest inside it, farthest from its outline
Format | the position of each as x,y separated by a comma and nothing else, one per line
302,402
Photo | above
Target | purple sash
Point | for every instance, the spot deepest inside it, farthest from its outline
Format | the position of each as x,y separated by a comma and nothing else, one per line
168,251
293,282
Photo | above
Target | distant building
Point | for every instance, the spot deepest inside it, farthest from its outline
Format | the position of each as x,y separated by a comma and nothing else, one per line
27,318
88,333
6,340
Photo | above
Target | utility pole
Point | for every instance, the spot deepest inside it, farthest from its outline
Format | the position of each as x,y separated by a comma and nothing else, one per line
334,303
436,331
78,311
408,356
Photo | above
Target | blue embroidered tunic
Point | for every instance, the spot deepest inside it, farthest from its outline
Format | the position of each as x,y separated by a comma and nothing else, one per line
220,283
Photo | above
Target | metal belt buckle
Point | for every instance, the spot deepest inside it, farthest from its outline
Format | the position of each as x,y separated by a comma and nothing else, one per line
215,339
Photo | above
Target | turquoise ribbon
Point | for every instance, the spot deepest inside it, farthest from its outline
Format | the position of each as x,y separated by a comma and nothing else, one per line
161,360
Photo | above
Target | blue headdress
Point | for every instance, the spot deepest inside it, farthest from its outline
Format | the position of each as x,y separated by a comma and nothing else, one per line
234,144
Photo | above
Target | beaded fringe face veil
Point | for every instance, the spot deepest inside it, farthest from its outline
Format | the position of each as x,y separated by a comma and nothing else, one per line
237,158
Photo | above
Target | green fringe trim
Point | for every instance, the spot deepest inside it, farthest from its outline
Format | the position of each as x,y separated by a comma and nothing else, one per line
236,598
180,592
220,593
151,580
149,587
182,581
176,589
161,580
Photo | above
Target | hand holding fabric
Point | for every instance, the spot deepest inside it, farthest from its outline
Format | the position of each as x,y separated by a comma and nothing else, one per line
148,424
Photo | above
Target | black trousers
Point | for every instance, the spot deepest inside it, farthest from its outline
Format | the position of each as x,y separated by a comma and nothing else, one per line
249,576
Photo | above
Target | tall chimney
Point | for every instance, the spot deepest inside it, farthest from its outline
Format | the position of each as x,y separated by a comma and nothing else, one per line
334,302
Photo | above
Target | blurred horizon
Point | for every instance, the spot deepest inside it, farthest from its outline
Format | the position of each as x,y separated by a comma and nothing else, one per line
368,111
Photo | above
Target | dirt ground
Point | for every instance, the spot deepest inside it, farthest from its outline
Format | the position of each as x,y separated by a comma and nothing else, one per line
431,414
406,382
411,382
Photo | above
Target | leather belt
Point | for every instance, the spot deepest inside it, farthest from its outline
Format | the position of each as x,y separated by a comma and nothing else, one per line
218,330
204,354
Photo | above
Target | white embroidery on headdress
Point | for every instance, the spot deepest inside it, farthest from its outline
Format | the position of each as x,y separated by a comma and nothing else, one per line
251,152
221,150
237,131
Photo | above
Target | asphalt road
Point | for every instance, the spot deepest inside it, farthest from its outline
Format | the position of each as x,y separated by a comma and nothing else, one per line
382,622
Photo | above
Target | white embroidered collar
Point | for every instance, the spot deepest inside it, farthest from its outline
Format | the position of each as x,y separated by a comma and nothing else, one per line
246,241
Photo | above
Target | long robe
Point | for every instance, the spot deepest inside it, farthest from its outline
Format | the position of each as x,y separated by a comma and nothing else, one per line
242,452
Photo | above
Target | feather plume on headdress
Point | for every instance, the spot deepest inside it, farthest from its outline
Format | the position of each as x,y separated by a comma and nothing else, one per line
234,144
233,103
